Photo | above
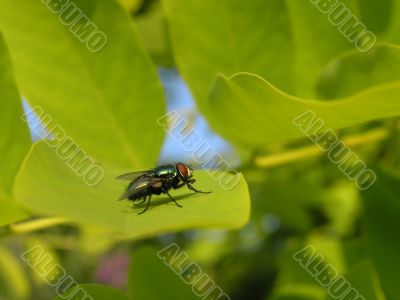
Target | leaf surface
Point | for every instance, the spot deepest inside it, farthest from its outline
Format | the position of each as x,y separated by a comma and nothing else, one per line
108,101
14,138
39,188
258,113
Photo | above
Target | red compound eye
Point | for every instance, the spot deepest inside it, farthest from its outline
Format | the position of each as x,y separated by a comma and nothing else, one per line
183,170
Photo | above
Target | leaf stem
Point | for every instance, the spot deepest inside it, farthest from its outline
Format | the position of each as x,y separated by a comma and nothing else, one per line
32,225
273,160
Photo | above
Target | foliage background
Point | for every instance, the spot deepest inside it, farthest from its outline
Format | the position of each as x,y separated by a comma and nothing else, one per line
239,71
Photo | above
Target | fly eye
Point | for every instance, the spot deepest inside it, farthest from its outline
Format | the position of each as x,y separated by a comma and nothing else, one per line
183,170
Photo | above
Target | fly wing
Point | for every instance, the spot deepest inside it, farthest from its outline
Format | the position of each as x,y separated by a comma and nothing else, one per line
126,195
139,185
132,175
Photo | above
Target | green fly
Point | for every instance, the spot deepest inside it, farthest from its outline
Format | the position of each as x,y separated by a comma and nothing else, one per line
158,181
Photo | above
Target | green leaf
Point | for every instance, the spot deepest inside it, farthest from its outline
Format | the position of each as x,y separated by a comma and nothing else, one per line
14,135
377,15
146,270
315,42
382,18
293,281
108,101
299,292
363,278
153,31
131,6
14,138
382,223
270,195
286,42
258,113
354,72
96,291
14,283
39,188
10,212
32,242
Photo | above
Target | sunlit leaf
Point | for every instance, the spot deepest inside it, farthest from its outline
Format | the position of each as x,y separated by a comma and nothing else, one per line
40,189
354,71
10,212
286,42
108,101
153,30
258,113
14,138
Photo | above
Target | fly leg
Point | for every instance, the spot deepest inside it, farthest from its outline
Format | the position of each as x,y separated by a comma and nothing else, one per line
172,198
144,199
148,204
191,187
178,186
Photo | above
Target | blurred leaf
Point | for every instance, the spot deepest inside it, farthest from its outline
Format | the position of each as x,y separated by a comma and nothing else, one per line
94,240
14,284
33,242
330,247
107,101
391,159
355,251
362,277
131,5
299,292
14,135
270,195
38,188
393,30
210,246
382,223
258,113
153,30
14,138
290,272
313,199
151,279
377,14
10,212
354,72
342,207
97,292
293,281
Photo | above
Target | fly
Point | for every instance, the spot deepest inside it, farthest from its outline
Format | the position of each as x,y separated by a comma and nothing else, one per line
158,181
